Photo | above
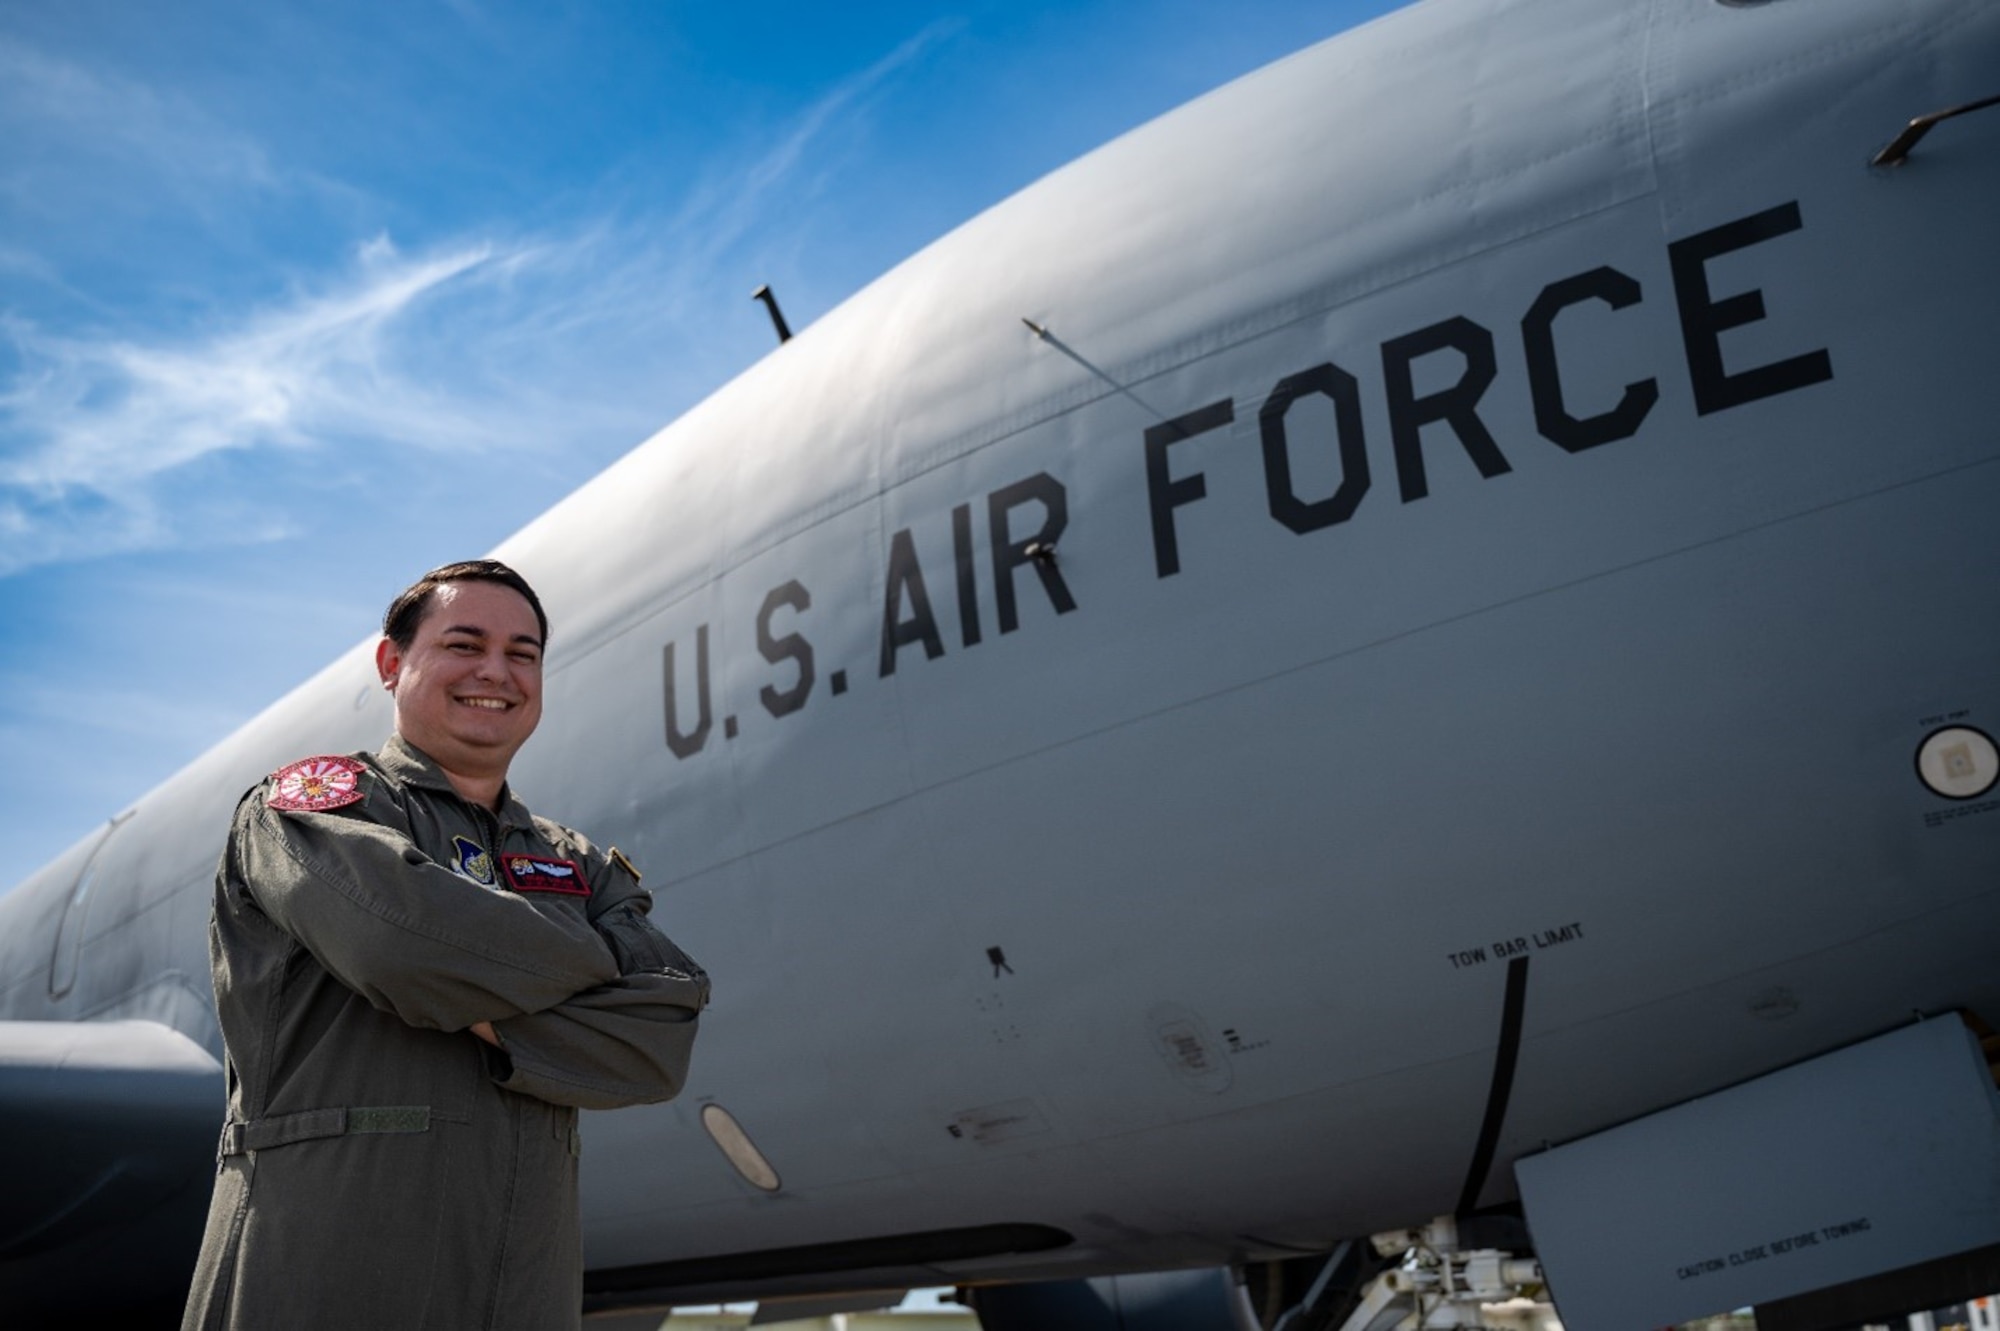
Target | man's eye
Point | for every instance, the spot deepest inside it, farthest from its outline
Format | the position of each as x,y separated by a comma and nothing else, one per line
460,647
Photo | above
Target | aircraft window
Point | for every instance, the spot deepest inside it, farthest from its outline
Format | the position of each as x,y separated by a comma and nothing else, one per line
738,1148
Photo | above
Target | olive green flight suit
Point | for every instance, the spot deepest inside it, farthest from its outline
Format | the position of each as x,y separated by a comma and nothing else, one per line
381,1166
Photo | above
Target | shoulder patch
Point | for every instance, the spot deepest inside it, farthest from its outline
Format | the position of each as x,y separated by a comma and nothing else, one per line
327,782
470,860
534,873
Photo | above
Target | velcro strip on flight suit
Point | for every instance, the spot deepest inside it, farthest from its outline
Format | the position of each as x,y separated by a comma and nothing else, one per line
314,1124
390,1118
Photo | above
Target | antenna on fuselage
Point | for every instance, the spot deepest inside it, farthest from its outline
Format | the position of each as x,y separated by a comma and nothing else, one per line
770,300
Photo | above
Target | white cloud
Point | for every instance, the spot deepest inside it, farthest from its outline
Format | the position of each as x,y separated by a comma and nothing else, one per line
473,347
90,429
377,249
721,211
106,415
90,126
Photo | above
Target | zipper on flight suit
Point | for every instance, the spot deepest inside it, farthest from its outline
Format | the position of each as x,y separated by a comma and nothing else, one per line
488,823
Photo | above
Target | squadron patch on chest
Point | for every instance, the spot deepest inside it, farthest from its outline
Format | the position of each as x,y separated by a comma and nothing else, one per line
470,860
532,873
313,784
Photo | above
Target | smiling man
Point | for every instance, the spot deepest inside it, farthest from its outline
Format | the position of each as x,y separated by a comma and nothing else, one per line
419,984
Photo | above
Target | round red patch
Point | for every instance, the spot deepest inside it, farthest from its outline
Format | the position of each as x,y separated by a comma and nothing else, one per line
316,783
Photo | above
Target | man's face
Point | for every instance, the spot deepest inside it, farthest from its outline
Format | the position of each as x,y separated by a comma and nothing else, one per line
469,689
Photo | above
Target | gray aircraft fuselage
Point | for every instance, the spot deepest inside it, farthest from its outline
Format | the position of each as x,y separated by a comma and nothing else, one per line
1493,504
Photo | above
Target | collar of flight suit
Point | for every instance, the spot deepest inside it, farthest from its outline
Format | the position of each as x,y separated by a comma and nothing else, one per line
413,767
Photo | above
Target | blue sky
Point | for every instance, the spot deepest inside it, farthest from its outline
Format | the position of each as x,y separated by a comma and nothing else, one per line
297,301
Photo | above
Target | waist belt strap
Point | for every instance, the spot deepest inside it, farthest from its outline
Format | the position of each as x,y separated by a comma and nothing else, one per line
284,1129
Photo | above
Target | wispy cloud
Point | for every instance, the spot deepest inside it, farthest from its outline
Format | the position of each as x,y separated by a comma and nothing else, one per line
722,210
93,125
483,345
90,426
110,414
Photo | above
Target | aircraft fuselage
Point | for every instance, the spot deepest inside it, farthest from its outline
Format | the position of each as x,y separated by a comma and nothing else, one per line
1483,512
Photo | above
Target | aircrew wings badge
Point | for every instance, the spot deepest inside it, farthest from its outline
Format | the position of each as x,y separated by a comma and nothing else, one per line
532,873
314,784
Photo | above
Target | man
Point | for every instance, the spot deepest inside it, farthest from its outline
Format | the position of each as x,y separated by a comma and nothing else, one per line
419,983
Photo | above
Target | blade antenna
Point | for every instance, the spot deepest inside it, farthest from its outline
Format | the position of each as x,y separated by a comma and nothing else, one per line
770,299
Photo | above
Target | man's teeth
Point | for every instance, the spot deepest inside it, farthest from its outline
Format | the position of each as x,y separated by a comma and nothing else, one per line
490,704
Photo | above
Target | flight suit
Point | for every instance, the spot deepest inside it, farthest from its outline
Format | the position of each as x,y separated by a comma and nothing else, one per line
381,1166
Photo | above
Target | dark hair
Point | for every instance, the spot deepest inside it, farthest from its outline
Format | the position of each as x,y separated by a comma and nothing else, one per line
407,611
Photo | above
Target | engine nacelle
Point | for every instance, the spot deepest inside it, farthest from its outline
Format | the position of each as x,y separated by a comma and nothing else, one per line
1207,1300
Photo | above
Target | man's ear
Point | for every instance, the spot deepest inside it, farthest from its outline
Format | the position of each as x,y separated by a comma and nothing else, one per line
388,662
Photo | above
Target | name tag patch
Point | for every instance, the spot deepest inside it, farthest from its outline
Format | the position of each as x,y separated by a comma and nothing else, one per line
532,873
